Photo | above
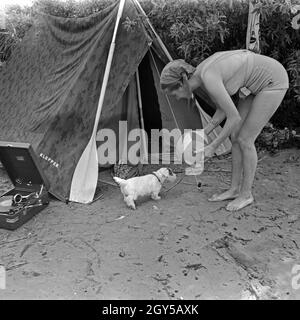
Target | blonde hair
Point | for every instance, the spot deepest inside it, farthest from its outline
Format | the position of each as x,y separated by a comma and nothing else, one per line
174,74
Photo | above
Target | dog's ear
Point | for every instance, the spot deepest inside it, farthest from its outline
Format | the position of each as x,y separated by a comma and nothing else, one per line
167,172
164,172
171,173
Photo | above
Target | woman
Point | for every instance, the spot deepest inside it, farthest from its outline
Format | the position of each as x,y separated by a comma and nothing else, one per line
261,83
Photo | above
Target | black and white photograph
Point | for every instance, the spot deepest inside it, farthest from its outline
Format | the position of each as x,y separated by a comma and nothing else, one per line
149,151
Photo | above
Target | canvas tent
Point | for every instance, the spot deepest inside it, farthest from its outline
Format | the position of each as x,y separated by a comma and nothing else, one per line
69,78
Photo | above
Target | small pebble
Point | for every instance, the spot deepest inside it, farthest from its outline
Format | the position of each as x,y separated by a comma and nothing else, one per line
122,254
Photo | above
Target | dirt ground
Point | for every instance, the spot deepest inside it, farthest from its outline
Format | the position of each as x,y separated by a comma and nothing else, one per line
181,247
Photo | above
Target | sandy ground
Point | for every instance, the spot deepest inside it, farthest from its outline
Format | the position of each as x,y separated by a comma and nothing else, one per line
181,247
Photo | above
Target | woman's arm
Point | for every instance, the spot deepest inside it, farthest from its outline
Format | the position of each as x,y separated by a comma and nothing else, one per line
217,118
217,92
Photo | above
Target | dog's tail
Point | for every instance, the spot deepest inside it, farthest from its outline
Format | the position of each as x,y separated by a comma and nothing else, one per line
119,181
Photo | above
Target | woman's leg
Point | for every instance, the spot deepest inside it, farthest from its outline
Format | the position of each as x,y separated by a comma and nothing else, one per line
263,107
243,107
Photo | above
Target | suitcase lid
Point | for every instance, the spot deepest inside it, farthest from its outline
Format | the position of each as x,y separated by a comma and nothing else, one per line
22,165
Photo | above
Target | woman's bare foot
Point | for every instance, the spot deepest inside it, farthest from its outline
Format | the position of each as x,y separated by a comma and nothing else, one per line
227,195
239,203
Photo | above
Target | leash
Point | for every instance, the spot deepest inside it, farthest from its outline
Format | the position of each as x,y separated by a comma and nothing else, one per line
154,174
165,191
198,183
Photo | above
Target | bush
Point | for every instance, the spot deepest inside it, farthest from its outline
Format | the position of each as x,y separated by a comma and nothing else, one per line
193,30
19,21
71,8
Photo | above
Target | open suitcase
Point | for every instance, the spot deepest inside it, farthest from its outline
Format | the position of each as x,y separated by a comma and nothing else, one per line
29,195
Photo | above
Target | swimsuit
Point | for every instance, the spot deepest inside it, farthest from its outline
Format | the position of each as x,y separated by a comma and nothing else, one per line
256,73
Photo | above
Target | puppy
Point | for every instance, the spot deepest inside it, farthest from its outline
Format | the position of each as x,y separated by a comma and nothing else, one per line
149,184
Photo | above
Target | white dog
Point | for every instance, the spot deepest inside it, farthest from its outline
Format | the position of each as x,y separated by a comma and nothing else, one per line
148,185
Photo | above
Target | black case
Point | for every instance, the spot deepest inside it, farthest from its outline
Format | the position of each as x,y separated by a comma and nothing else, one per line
23,169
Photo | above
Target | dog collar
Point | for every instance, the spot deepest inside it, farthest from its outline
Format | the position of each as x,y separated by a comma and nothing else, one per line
157,177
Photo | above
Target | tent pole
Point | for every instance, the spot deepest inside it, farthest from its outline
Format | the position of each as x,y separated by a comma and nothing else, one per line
167,98
154,32
145,148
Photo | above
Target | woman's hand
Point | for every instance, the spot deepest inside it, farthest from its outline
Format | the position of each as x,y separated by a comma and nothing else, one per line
209,151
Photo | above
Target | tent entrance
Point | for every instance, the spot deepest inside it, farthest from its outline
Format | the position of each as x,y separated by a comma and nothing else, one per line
150,109
150,104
